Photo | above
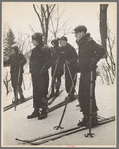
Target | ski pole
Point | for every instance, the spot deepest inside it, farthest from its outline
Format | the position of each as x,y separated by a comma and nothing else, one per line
17,88
59,126
53,75
91,96
71,77
24,84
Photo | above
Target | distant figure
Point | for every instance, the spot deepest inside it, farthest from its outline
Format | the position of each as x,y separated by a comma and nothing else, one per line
89,54
40,62
57,67
70,59
17,61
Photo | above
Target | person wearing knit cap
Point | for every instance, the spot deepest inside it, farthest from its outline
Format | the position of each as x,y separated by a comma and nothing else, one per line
17,61
57,67
88,55
69,57
40,62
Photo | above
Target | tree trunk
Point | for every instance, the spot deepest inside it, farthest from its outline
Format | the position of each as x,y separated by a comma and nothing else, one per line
103,25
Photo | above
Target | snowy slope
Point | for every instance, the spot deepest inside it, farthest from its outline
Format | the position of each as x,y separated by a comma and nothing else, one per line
16,125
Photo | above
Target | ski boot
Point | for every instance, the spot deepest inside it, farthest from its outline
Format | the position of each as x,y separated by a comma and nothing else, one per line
22,99
57,92
42,115
84,122
34,114
51,95
71,98
15,101
94,119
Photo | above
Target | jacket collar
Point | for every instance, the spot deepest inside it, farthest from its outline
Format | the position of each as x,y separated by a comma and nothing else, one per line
84,38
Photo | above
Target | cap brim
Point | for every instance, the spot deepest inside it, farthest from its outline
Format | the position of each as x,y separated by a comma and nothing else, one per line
60,39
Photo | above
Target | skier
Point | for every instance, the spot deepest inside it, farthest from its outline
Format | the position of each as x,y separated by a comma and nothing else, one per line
57,67
89,54
70,59
16,60
40,62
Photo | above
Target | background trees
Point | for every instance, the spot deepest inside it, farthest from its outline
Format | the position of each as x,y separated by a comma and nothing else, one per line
49,16
54,22
8,40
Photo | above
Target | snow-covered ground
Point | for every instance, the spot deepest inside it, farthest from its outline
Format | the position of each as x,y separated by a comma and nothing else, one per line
16,125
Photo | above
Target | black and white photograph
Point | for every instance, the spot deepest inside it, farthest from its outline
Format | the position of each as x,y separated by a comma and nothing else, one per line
59,74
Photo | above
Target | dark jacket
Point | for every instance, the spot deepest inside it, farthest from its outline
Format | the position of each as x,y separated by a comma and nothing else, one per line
56,55
40,60
69,54
89,53
15,61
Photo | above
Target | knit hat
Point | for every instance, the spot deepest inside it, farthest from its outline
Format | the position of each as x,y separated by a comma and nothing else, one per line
63,38
80,28
37,37
15,46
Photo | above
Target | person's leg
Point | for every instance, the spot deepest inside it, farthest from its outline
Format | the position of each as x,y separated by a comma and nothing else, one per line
69,77
84,97
35,99
43,90
22,99
14,85
53,87
53,82
58,83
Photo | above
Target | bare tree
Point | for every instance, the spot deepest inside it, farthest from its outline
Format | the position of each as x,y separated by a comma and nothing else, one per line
8,40
103,24
44,14
57,26
6,81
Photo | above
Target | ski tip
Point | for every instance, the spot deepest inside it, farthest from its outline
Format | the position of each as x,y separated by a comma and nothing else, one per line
19,139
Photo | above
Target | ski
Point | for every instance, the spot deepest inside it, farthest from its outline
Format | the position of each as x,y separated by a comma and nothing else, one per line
47,136
54,97
49,110
54,136
13,104
57,106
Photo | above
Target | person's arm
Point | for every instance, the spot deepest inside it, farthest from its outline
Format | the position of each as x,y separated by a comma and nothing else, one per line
48,59
99,53
73,55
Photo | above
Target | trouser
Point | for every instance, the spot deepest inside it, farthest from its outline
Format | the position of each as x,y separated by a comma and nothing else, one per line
15,84
84,93
68,80
56,82
40,84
